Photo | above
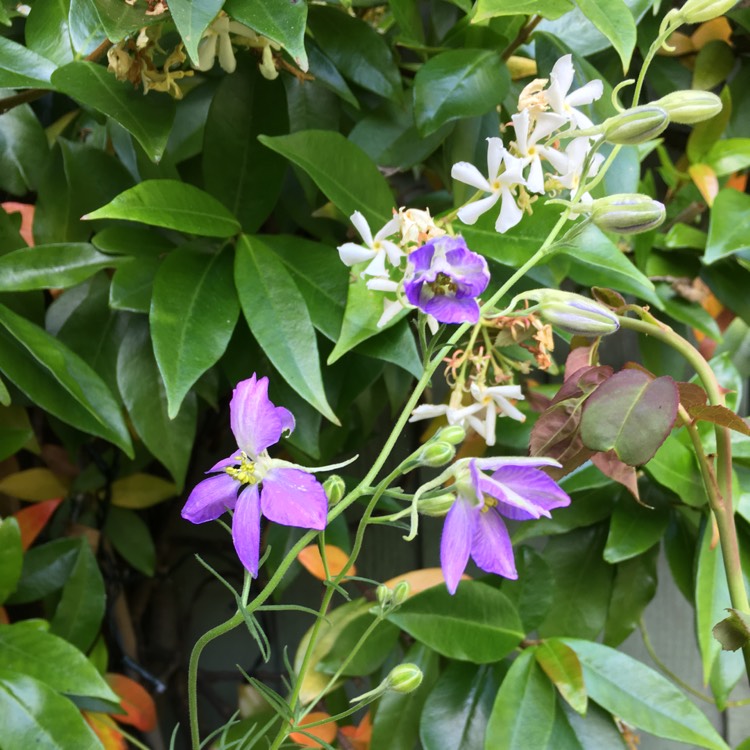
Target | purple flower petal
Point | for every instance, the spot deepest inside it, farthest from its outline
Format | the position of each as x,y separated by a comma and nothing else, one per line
210,498
491,549
469,269
452,310
455,543
246,528
294,498
484,485
533,484
256,422
232,460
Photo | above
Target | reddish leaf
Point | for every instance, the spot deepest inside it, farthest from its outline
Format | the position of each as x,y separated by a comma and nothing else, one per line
720,415
325,732
27,218
138,705
608,297
583,353
691,395
612,467
32,519
106,730
4,619
336,559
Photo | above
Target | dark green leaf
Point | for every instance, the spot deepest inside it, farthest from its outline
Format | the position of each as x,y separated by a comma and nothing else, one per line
23,150
532,593
545,8
47,33
634,529
278,317
45,569
11,557
22,68
131,538
192,17
193,313
15,428
171,204
728,216
132,284
674,467
477,624
120,19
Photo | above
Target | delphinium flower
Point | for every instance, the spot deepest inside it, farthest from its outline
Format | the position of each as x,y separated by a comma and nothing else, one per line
443,279
376,249
251,483
474,526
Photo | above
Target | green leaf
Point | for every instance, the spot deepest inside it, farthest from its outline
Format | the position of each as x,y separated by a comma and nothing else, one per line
47,33
546,8
133,283
20,67
561,665
614,19
145,397
149,120
79,613
33,652
458,707
15,428
344,173
278,317
192,18
532,593
244,175
34,715
173,205
674,467
281,21
23,150
477,624
642,697
357,50
131,538
120,19
46,567
630,413
727,156
458,83
730,211
396,724
634,529
524,711
51,266
11,557
59,381
193,313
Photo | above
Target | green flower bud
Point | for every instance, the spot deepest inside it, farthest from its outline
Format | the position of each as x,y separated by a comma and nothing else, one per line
404,678
688,107
635,125
698,11
627,213
334,487
437,454
454,434
401,592
383,594
576,314
436,506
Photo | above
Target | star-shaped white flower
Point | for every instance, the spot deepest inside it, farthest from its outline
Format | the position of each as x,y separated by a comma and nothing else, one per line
375,249
503,174
527,143
493,401
570,163
564,103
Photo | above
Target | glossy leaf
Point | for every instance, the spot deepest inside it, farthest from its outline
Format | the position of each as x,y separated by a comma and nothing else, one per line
341,170
193,313
523,714
131,538
45,569
26,649
477,624
47,32
561,665
532,593
15,430
35,715
120,19
725,235
614,19
133,283
173,205
458,707
20,67
279,20
51,266
238,170
458,83
277,315
149,121
58,380
634,529
79,613
642,697
24,150
674,466
192,18
631,414
546,8
11,557
145,398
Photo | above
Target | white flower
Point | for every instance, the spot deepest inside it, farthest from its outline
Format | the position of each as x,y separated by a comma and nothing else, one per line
498,184
376,249
564,103
527,140
216,42
570,165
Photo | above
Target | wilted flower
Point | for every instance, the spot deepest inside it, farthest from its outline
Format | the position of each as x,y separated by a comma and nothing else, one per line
376,249
216,42
564,103
281,491
443,279
417,226
474,525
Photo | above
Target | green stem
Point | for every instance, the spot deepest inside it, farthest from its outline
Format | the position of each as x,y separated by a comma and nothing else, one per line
655,47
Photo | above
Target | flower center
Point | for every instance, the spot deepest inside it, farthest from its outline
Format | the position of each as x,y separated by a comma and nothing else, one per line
443,286
489,502
244,473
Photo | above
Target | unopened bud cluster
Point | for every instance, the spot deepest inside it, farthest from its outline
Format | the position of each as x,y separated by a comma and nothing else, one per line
389,599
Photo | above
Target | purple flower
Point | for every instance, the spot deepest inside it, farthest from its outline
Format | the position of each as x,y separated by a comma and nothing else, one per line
282,493
474,525
443,279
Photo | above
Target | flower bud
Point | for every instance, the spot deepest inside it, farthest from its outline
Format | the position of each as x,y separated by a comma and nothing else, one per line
404,678
698,11
334,487
687,107
635,125
576,314
436,454
383,594
454,434
627,213
401,592
436,506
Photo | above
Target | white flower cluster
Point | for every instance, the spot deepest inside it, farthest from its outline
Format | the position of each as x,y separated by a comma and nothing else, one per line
516,171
